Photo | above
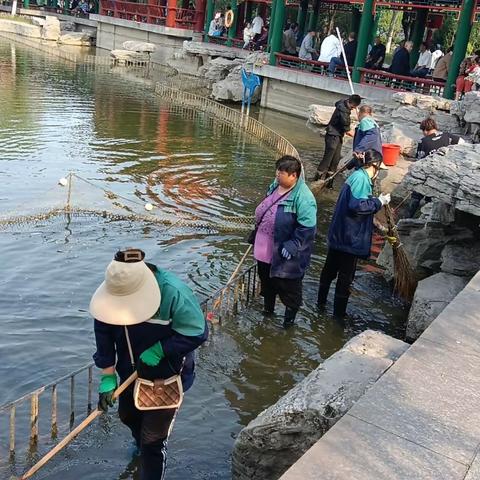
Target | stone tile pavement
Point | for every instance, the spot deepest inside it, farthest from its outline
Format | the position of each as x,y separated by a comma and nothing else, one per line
421,420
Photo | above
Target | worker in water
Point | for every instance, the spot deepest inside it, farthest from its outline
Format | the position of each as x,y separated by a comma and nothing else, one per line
337,128
350,232
145,319
286,223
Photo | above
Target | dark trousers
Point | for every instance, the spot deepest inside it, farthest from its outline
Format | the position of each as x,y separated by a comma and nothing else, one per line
288,289
332,155
150,429
340,266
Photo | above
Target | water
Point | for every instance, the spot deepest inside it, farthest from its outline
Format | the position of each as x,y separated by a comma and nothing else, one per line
57,117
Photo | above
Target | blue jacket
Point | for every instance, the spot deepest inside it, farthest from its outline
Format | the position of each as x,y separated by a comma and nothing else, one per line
179,325
352,223
367,136
295,227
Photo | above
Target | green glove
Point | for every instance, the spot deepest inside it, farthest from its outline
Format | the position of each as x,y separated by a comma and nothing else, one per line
152,356
108,385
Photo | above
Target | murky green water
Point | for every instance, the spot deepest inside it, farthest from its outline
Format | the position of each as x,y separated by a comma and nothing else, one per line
55,118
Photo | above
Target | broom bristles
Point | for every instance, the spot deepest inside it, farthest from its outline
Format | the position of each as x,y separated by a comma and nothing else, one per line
405,282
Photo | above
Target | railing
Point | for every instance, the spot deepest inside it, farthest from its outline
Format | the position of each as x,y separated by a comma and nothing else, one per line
152,14
381,79
55,423
224,40
228,115
310,66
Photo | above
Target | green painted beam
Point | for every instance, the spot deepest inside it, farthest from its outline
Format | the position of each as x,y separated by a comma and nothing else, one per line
364,35
417,35
355,21
278,25
272,22
209,17
313,21
462,37
232,31
302,17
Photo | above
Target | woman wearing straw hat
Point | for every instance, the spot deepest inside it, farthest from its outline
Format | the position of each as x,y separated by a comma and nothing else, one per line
148,319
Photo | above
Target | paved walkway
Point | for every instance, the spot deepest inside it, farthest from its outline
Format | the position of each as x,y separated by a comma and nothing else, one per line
421,420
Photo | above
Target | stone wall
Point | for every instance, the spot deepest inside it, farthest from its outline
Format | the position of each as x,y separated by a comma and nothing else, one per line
273,441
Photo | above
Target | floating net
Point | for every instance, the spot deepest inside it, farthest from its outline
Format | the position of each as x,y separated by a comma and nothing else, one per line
76,196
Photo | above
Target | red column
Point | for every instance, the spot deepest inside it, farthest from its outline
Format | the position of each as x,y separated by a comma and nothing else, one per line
171,13
200,15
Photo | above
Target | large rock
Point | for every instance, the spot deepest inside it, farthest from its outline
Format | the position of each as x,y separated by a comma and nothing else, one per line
51,28
461,259
218,69
273,441
320,114
451,175
471,107
403,134
79,39
122,57
67,26
136,46
410,113
432,295
424,240
231,88
213,50
424,102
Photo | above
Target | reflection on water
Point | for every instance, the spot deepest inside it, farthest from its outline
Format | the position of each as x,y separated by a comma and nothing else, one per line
57,117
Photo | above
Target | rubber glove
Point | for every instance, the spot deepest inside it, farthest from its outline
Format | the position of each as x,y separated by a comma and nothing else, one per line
384,198
153,355
108,385
286,254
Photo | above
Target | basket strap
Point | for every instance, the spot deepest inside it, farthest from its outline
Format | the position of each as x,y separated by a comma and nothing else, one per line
130,351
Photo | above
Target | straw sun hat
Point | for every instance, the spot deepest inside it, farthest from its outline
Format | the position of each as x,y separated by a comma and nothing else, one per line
130,292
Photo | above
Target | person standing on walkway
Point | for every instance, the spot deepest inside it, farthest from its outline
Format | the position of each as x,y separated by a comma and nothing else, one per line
257,27
337,128
149,320
307,48
350,232
286,222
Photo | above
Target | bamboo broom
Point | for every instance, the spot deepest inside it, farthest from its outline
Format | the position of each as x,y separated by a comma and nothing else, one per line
405,281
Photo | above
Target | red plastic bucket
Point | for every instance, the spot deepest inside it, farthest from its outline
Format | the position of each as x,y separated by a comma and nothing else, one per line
390,151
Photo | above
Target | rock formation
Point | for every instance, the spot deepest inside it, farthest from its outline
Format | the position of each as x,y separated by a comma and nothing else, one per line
433,294
443,244
273,441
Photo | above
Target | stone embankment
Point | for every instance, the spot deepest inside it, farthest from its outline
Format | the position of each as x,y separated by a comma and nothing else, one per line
222,67
273,441
49,29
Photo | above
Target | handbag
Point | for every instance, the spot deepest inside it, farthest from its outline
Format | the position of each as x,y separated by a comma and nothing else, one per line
253,233
156,394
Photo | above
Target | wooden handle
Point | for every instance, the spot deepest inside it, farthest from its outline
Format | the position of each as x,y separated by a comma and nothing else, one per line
96,413
232,276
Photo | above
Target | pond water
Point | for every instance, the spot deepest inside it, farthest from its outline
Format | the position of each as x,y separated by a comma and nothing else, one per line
110,130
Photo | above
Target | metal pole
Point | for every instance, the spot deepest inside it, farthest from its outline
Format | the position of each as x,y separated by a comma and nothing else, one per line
277,34
461,42
12,430
363,38
345,61
54,428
